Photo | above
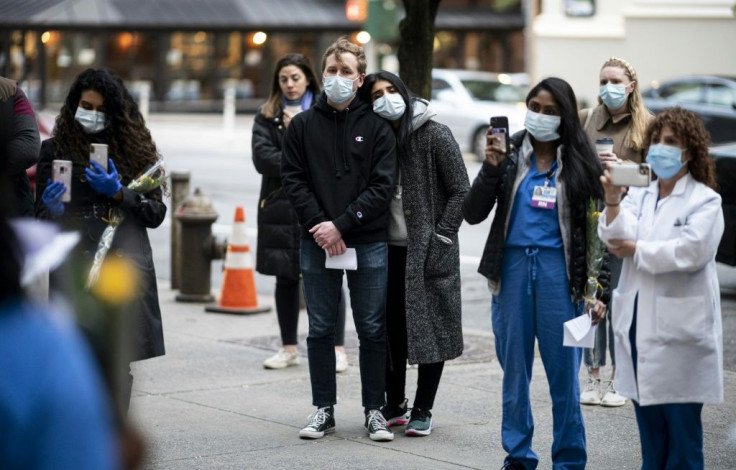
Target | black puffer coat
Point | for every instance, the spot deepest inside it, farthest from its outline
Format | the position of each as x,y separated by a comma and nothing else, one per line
494,186
277,253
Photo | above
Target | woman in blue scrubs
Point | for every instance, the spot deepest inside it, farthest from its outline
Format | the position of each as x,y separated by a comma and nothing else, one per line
535,263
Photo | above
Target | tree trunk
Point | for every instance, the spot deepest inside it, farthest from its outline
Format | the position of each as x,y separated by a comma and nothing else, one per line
417,42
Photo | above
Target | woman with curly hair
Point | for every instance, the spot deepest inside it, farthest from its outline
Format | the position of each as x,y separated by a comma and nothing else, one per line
99,109
667,303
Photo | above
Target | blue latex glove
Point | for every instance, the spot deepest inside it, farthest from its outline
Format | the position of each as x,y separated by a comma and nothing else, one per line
51,198
102,182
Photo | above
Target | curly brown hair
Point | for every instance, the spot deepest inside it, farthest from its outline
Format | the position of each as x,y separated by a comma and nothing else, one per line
689,128
129,140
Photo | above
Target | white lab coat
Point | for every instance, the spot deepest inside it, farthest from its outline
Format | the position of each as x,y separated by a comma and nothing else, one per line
679,338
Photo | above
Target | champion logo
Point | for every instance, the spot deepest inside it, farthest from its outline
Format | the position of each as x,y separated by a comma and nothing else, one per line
359,138
359,214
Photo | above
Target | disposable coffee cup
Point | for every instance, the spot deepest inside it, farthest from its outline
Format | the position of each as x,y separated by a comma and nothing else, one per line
604,145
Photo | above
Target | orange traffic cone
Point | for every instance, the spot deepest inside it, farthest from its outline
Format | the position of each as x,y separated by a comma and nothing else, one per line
238,286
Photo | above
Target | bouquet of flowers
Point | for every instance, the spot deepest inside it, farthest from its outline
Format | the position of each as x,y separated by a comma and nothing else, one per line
145,183
594,253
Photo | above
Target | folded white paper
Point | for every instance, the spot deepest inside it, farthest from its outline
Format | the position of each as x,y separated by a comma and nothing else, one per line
347,260
579,332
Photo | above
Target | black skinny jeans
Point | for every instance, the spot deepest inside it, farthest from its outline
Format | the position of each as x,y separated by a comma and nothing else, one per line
287,310
429,374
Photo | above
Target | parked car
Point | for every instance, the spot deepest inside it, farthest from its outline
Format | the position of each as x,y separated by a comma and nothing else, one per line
711,97
725,157
465,100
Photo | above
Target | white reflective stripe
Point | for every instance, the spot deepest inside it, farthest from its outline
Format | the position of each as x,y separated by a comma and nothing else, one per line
235,260
238,237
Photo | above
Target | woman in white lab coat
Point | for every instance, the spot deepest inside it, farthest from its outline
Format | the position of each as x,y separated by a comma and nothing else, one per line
667,328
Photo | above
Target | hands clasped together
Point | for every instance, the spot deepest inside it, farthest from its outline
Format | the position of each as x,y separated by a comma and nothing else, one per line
329,238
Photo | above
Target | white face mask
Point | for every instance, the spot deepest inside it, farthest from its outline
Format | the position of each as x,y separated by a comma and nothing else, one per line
339,89
91,121
390,106
542,126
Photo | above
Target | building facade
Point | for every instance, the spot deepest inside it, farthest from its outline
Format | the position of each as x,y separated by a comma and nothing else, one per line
186,53
662,39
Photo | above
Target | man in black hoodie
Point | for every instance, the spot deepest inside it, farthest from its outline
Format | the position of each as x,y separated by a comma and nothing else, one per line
337,170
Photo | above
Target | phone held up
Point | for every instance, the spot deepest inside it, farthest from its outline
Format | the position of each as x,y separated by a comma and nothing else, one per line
631,174
62,171
500,127
98,153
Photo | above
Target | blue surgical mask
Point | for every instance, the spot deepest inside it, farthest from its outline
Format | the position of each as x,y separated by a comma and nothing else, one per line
390,106
542,126
339,89
91,121
613,96
665,160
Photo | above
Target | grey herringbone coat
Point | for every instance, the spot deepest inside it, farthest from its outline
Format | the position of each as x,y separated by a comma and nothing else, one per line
435,182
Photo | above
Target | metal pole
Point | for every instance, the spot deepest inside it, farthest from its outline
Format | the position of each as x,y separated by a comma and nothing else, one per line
179,192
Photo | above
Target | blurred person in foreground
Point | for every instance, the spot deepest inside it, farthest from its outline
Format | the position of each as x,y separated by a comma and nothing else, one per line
535,262
337,169
99,109
423,308
54,410
622,117
294,89
19,147
668,308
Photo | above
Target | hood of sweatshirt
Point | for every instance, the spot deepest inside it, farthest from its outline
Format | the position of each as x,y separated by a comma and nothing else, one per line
422,112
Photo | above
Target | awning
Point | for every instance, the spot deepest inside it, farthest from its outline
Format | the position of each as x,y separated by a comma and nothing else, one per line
219,15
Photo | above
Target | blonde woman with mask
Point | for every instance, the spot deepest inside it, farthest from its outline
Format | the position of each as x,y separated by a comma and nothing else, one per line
621,117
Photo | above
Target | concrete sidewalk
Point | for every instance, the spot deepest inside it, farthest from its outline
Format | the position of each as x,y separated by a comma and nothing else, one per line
210,404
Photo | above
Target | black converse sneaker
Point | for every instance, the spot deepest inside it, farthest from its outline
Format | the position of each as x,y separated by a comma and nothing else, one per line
396,415
377,427
319,423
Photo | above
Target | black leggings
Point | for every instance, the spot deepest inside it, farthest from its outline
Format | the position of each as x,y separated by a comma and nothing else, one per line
287,310
429,374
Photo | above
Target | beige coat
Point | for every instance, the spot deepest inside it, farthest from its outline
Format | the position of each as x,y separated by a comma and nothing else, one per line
601,124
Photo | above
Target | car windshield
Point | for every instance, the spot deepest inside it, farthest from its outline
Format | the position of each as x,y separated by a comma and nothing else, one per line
493,91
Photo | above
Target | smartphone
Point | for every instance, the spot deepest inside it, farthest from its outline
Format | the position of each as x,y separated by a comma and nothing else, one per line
62,171
98,153
500,127
631,174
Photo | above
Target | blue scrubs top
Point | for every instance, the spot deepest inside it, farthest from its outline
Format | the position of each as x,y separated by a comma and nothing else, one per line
532,226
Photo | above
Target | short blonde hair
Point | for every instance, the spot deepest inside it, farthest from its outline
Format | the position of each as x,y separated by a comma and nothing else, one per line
344,45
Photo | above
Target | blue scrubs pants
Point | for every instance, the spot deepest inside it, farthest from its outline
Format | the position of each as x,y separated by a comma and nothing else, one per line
534,302
671,434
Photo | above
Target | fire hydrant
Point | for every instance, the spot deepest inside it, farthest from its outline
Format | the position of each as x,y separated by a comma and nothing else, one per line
198,248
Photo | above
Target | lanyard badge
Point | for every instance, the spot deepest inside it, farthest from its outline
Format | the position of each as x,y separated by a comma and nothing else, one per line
545,197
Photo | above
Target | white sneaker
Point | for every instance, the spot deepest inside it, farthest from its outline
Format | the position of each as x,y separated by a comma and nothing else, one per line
341,361
591,395
612,398
281,360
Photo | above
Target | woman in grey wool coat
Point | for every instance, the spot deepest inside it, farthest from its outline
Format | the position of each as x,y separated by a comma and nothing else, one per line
423,308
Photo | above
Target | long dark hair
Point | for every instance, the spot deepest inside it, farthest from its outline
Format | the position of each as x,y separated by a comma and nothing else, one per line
581,168
272,108
11,266
404,129
126,134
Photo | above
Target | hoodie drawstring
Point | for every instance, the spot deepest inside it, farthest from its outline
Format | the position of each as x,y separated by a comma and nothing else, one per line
345,159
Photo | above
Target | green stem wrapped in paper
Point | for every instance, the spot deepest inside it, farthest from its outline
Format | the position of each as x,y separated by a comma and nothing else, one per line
143,184
595,251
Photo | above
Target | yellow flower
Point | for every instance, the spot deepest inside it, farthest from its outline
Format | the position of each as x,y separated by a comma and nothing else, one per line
118,281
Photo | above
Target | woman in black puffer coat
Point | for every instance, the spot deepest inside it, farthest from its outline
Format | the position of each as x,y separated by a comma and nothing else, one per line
293,89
